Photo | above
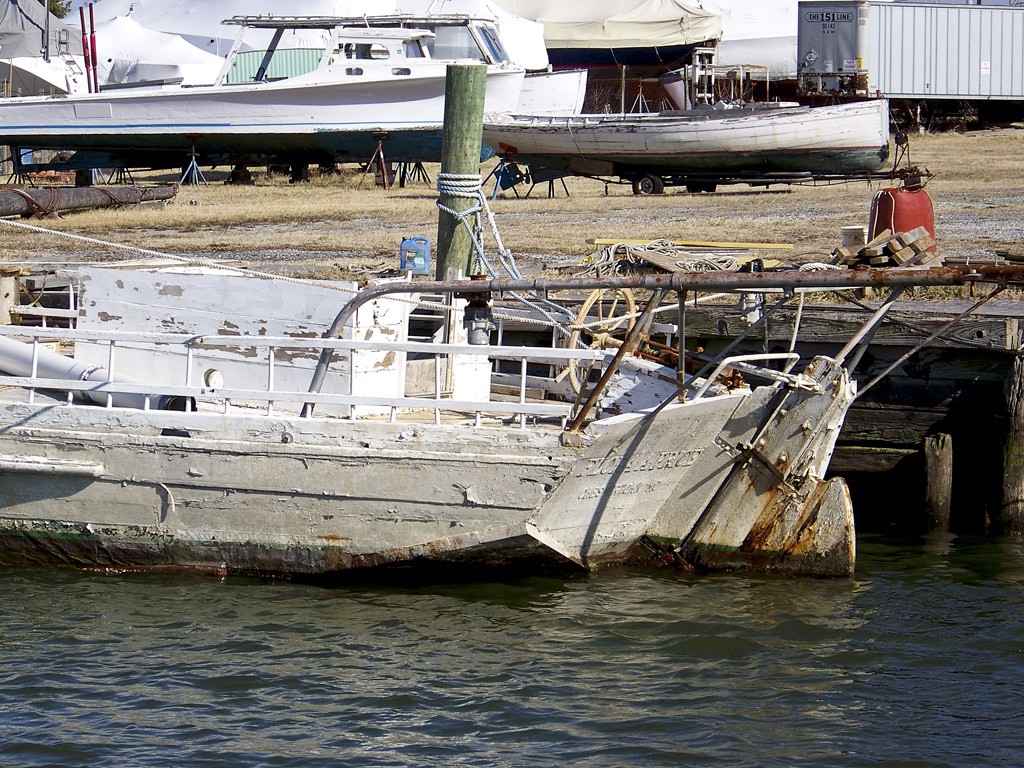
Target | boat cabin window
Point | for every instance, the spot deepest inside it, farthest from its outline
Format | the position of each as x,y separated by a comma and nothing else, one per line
454,43
366,51
491,41
414,50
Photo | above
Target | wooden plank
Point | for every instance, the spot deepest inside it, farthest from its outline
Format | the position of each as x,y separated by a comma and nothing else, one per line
847,253
904,256
8,296
914,234
829,324
847,459
29,311
699,244
892,426
922,244
881,237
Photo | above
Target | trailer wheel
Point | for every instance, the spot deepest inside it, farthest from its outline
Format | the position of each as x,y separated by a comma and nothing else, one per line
648,184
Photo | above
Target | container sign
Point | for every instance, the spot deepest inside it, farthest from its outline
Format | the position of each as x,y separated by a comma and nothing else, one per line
828,65
849,65
986,67
829,17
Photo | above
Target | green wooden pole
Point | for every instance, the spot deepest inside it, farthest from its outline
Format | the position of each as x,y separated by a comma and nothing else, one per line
465,86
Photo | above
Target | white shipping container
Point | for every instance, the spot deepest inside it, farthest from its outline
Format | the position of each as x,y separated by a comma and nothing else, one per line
911,50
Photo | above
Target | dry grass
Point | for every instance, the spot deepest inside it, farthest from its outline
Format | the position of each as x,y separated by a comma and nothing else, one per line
337,226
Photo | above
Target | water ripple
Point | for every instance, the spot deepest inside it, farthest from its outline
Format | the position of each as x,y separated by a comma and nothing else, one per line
915,661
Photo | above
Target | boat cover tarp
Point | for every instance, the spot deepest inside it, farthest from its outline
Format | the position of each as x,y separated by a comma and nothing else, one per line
619,23
760,32
200,22
23,30
129,52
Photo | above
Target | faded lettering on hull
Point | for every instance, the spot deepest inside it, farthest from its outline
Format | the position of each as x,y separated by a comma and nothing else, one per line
626,476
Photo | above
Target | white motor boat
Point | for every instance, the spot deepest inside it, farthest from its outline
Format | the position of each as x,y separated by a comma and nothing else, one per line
370,84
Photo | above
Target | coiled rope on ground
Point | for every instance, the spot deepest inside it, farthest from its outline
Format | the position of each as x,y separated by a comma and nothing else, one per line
628,258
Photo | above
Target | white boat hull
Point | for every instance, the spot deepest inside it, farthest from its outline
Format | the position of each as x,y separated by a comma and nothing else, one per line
286,497
332,117
553,93
382,474
133,499
846,138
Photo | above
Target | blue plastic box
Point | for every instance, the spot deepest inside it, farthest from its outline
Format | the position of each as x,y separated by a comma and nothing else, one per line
416,255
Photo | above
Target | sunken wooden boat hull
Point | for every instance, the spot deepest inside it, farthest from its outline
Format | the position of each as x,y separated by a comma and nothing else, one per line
110,488
725,481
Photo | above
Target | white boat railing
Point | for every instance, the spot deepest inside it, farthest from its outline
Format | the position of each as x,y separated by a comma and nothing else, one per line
190,393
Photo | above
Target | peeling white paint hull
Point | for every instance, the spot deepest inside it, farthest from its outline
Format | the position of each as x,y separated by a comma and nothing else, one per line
834,139
391,468
289,497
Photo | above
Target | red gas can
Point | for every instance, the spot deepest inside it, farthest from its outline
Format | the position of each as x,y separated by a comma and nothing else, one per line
901,209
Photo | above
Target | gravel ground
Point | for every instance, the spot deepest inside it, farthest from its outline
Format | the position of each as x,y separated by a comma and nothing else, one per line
977,193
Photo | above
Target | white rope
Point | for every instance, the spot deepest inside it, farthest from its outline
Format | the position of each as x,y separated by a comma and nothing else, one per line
470,186
818,266
627,258
459,184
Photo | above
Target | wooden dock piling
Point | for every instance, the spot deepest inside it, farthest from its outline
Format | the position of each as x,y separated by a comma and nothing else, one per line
1010,516
938,472
465,88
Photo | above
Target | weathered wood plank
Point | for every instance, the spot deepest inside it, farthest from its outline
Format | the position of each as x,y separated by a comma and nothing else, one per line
835,324
8,295
858,458
897,426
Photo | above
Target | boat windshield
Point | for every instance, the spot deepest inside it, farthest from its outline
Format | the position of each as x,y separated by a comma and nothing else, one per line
454,42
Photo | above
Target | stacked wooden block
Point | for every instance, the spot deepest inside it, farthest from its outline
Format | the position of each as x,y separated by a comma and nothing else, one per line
903,249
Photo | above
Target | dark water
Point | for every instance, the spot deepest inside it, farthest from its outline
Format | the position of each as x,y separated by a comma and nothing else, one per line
916,661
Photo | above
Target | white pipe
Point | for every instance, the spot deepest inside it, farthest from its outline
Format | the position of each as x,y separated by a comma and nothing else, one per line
16,359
